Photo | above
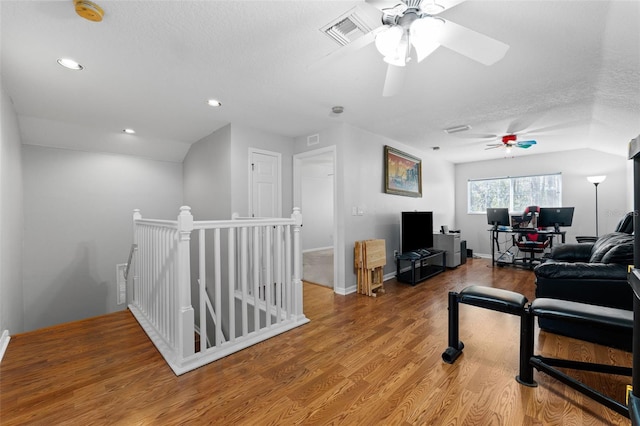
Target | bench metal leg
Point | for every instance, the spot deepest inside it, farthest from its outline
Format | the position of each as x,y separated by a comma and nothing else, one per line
527,324
455,345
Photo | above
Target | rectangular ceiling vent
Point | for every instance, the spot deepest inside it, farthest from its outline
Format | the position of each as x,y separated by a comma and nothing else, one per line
349,27
313,139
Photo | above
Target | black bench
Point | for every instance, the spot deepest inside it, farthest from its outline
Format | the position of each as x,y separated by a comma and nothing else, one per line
514,303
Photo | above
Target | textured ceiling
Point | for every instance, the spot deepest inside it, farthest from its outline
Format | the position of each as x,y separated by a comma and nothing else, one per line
572,70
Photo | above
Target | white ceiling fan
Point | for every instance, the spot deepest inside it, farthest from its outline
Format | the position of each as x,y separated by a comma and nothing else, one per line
411,29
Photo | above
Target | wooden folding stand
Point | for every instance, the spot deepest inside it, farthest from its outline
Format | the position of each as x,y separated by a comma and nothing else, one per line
369,260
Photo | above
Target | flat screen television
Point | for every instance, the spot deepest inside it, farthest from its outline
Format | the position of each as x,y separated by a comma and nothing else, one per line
498,217
555,216
416,231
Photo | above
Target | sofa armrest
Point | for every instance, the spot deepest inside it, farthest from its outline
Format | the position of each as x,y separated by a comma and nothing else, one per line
553,269
580,252
595,284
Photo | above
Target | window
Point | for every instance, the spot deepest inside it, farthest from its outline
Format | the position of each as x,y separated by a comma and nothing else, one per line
516,193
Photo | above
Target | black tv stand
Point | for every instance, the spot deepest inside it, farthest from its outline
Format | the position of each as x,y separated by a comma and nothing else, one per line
416,266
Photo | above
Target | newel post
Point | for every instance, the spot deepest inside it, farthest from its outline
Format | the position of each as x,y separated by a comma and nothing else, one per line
297,264
186,314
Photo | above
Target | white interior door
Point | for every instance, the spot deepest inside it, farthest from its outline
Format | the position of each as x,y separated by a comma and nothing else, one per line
265,184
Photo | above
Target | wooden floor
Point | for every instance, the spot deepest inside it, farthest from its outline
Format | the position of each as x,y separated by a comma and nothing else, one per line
360,361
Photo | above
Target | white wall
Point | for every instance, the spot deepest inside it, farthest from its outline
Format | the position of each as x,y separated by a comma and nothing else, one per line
317,203
78,226
364,188
206,170
360,180
11,221
575,166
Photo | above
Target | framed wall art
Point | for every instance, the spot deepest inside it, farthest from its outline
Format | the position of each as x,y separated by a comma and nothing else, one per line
402,173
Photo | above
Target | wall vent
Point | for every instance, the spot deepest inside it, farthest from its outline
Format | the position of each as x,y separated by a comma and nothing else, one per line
313,140
351,26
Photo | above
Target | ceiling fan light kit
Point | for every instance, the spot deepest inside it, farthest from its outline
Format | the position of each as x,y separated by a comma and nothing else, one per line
412,28
509,141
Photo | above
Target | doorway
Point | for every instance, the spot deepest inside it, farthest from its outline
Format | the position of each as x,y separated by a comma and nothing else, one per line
315,193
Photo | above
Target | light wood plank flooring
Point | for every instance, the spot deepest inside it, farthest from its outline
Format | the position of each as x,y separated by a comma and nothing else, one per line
360,361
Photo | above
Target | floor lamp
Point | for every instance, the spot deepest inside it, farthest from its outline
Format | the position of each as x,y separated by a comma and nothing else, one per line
596,180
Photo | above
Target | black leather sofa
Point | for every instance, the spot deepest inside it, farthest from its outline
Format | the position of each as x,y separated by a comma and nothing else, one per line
594,273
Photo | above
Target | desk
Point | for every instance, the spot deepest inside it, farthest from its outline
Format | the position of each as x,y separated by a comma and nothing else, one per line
496,232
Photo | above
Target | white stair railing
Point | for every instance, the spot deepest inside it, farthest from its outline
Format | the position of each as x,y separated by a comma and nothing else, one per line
251,267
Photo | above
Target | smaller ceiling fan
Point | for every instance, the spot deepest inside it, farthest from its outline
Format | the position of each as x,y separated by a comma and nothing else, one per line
510,141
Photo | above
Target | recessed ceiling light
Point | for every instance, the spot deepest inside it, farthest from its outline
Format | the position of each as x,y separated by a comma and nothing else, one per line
129,131
214,103
70,64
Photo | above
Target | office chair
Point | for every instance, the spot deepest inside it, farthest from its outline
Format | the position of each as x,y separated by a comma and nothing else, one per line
625,225
533,242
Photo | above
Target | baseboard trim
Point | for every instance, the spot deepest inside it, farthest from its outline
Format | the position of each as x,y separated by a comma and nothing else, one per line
317,249
4,343
348,290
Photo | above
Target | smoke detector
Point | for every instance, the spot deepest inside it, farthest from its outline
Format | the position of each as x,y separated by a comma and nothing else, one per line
89,10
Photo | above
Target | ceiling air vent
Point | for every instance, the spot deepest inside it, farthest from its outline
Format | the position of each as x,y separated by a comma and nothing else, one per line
313,139
351,26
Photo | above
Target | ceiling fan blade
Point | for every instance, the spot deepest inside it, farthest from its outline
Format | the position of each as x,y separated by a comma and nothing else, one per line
520,124
433,7
561,126
383,4
525,144
472,44
393,81
493,146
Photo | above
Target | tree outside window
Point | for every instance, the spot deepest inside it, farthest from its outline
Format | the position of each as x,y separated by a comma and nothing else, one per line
515,193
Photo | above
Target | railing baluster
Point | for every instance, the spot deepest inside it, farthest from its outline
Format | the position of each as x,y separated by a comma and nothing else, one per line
217,277
256,278
231,254
202,289
244,266
268,279
278,273
288,271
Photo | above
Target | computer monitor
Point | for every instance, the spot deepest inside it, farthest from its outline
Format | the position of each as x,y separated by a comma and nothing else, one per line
555,216
498,217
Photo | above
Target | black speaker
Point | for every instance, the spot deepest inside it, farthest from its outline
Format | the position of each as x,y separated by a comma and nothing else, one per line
463,252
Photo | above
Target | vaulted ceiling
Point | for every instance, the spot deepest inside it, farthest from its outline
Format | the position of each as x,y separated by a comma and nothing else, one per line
570,79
